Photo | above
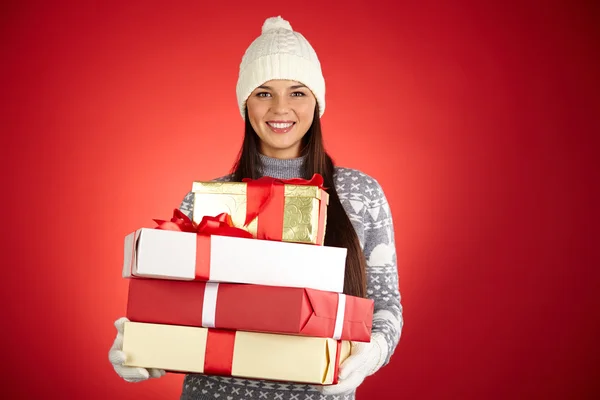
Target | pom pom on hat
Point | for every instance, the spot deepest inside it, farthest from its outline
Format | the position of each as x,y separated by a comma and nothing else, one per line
279,53
276,23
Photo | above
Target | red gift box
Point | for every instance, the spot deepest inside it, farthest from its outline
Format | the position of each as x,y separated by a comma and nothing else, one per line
257,308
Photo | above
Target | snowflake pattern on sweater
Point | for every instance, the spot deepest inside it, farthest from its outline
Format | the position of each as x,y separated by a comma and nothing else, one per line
366,205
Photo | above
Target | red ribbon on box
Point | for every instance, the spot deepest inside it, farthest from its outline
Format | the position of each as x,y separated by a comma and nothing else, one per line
336,367
221,225
265,197
218,356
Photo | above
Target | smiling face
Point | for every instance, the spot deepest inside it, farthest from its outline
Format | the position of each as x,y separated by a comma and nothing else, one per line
281,112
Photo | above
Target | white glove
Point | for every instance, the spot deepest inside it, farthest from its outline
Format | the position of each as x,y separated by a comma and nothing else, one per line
117,357
364,360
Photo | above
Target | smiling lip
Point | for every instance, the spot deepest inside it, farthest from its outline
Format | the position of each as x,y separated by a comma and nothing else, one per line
281,126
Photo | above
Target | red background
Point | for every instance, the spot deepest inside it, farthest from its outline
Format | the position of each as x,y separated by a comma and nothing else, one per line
476,119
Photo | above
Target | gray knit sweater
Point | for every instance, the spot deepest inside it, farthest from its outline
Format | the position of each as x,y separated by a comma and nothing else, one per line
369,212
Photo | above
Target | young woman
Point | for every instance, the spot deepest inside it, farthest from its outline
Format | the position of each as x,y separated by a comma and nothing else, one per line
281,96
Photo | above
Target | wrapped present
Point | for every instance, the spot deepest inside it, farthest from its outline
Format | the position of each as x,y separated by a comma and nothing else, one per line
257,308
293,210
249,355
216,252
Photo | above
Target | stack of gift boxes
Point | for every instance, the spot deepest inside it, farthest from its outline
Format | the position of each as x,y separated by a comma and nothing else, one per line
245,288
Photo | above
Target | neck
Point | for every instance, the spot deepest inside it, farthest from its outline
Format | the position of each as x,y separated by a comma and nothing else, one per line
282,168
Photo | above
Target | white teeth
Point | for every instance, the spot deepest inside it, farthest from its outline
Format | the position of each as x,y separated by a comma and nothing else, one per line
280,125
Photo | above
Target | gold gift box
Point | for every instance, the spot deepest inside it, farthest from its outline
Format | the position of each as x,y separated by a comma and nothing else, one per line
302,205
301,359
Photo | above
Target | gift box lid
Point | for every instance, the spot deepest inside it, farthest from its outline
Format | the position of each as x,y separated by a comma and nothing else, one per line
241,188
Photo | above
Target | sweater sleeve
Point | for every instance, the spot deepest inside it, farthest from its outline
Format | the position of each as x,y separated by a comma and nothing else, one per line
382,269
187,204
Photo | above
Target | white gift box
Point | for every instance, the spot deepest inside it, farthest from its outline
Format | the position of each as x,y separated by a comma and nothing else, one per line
165,254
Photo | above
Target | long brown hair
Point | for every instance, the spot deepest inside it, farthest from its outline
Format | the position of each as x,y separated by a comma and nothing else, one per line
339,232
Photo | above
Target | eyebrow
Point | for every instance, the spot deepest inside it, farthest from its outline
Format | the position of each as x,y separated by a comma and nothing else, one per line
291,87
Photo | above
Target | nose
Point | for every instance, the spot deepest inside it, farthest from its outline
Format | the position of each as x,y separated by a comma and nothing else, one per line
280,105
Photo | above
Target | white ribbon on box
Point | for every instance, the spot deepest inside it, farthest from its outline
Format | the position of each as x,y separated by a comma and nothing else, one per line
339,316
209,309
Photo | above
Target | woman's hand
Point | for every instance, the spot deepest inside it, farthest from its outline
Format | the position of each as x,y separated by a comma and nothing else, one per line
117,357
364,360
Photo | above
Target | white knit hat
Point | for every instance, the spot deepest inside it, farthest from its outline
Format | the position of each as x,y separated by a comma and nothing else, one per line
280,53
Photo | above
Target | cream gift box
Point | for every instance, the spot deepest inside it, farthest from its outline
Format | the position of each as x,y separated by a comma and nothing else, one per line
250,355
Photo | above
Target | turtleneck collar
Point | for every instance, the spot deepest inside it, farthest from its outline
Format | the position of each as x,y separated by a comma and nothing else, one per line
282,169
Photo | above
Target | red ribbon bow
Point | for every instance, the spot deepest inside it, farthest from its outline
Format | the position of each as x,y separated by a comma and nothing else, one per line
261,191
221,225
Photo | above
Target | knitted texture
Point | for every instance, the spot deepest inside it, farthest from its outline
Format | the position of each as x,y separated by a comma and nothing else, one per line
279,53
366,205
